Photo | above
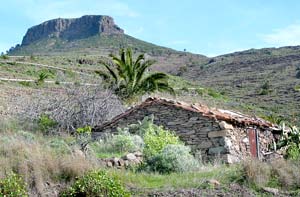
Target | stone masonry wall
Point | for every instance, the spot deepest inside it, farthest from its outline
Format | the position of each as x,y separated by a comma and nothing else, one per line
206,137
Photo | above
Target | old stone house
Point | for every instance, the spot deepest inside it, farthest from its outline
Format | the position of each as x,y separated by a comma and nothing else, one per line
212,133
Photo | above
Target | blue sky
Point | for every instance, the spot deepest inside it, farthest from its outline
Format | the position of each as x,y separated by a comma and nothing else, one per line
211,27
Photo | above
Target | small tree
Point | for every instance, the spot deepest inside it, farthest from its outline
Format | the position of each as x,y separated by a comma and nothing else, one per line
129,78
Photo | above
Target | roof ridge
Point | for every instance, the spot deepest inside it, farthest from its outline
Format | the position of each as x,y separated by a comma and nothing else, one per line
219,114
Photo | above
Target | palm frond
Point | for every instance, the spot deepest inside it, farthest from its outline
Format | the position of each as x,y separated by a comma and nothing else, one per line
102,74
110,70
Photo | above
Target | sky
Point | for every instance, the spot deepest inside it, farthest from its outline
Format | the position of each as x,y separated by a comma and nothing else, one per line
211,27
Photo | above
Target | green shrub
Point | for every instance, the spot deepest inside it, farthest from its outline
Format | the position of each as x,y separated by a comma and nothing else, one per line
265,88
96,183
293,151
214,94
5,57
117,145
290,138
25,83
12,185
173,158
84,130
45,123
156,138
127,143
297,87
42,77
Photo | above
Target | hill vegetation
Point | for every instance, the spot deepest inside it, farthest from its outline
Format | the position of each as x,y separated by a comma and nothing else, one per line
51,97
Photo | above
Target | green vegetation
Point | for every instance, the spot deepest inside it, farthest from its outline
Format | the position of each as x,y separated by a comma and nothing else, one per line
173,158
45,123
59,160
84,130
156,139
186,180
13,185
117,145
38,157
128,79
98,184
290,139
297,88
41,78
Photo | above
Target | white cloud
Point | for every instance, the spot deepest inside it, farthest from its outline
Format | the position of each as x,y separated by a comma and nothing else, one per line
289,35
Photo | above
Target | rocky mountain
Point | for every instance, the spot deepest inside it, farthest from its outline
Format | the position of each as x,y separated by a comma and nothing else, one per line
72,29
266,81
89,35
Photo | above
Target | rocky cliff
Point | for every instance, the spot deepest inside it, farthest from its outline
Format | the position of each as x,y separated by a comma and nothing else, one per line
71,29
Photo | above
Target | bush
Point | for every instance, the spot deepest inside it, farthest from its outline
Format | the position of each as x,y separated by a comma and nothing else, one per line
127,143
12,185
118,145
84,130
156,138
96,183
45,123
293,151
290,139
173,158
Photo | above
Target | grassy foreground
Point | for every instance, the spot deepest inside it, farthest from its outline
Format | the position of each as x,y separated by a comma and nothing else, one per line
49,164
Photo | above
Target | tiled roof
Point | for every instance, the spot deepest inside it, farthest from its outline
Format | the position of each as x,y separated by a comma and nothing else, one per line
234,118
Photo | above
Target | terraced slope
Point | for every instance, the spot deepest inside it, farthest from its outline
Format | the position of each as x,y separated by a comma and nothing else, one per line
266,78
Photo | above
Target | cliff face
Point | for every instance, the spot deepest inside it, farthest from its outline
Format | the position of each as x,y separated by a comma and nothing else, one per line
71,29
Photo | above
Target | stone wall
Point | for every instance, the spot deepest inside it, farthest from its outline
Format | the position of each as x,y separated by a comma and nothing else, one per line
207,137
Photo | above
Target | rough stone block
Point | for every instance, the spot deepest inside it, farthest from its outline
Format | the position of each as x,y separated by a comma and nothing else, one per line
193,118
205,144
224,125
230,159
221,133
217,150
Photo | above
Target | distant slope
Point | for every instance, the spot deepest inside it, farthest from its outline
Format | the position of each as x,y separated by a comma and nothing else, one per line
95,35
94,45
268,78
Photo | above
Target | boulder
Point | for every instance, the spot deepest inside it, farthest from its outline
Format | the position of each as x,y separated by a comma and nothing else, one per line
273,191
138,154
130,157
226,126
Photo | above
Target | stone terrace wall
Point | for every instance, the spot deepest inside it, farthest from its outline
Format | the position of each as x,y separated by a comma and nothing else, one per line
206,136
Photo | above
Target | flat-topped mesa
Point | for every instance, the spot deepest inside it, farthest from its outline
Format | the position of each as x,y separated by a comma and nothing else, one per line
72,29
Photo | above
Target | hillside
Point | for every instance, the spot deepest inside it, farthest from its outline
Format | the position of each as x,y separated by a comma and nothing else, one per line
264,82
266,78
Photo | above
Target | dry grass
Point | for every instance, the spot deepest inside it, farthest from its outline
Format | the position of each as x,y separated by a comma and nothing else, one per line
40,165
287,172
257,172
282,174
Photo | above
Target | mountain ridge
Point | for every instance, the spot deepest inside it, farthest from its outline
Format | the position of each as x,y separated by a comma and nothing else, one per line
72,29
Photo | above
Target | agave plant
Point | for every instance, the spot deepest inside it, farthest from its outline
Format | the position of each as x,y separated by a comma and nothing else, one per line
41,78
129,78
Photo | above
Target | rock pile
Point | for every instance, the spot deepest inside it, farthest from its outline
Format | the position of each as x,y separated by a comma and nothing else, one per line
127,160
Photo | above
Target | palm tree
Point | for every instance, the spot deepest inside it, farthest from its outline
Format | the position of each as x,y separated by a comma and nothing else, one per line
129,78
